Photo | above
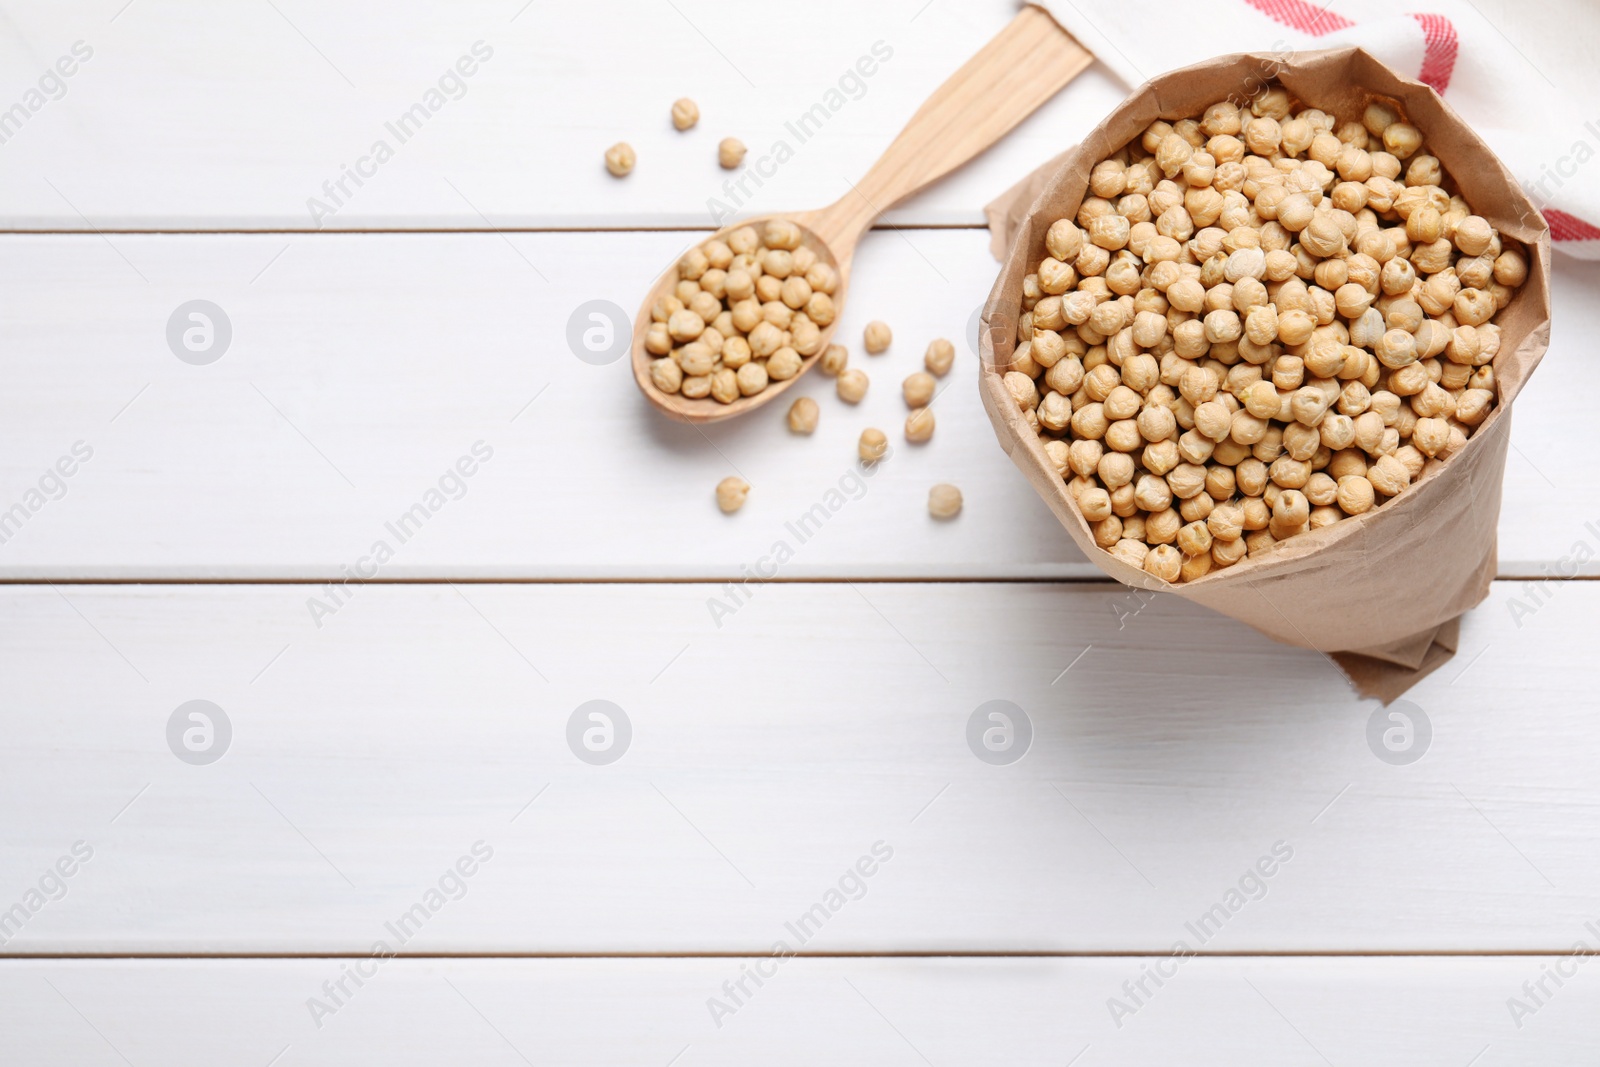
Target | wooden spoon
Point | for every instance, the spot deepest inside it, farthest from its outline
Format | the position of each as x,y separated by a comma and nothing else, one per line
1023,66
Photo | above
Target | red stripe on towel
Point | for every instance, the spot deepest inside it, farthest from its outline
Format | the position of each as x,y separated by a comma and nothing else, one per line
1441,44
1565,227
1302,16
1439,53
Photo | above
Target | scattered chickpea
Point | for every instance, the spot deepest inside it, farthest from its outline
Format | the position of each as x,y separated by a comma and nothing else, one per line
834,359
873,446
803,414
852,386
940,356
919,426
620,159
876,337
918,389
944,501
730,152
1258,322
731,493
685,113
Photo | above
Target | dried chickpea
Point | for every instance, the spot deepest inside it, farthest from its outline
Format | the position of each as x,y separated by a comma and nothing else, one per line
873,445
1164,562
1131,552
834,359
876,337
731,493
753,378
666,375
944,501
781,234
730,152
620,159
1389,476
852,386
940,356
918,389
784,364
803,415
685,113
919,426
724,385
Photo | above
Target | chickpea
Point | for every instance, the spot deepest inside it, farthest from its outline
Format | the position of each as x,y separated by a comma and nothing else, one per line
764,339
753,378
1402,140
805,337
784,364
918,389
919,426
834,360
940,357
1430,437
1510,267
1389,476
1131,552
803,415
685,113
876,337
1022,390
731,494
730,152
794,292
620,159
873,445
781,234
1064,240
852,386
657,341
1107,532
1095,504
724,385
695,358
944,501
1152,493
820,309
1473,406
1164,562
1115,469
1291,508
666,375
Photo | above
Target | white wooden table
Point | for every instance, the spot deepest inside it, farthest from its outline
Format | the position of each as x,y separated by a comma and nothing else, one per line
797,799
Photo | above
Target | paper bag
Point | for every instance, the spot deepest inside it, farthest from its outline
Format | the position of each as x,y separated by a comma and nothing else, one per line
1381,592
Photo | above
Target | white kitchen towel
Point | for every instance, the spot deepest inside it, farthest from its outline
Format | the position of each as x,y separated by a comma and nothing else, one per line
1544,138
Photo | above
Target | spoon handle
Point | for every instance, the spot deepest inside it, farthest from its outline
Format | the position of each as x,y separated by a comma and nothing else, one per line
1024,65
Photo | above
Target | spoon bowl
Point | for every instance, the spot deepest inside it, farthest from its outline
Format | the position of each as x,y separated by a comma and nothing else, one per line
708,409
1024,65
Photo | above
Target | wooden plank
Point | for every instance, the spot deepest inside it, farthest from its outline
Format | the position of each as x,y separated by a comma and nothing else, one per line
362,367
1375,1011
1549,524
236,118
1171,752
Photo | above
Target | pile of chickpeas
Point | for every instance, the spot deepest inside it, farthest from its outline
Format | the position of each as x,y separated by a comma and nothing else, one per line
744,312
1261,321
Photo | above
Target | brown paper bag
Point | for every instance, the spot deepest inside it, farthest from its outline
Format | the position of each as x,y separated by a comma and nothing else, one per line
1382,592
